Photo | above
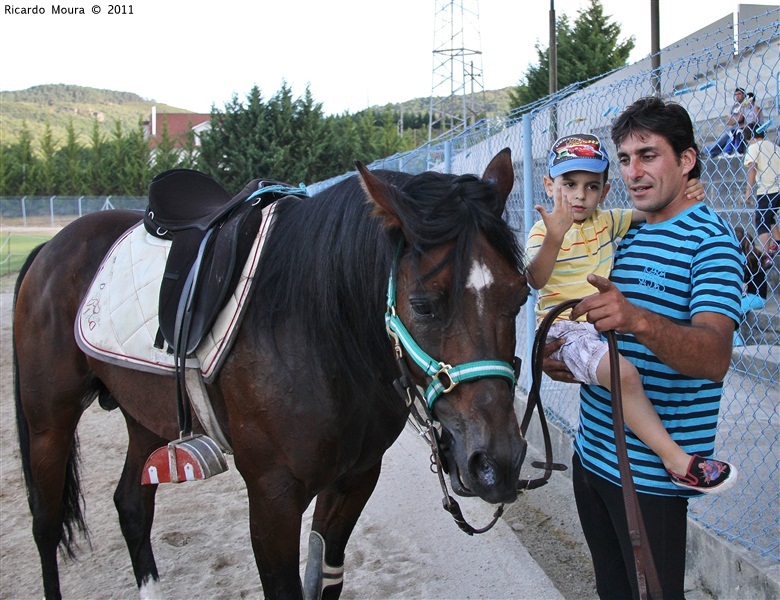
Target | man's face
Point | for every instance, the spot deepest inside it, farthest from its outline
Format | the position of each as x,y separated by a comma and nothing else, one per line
654,176
739,96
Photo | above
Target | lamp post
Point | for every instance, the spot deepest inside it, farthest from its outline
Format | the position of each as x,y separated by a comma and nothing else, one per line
553,71
655,46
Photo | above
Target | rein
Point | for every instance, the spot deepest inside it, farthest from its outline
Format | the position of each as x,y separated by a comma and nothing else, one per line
647,575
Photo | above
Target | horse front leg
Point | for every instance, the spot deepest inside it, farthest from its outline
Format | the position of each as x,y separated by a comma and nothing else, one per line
336,513
135,506
276,508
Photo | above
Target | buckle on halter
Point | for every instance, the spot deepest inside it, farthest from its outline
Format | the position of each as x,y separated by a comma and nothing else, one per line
444,369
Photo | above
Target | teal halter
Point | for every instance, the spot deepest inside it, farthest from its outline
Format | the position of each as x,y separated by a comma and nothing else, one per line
444,377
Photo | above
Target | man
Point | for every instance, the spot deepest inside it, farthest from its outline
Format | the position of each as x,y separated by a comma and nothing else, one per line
674,300
762,162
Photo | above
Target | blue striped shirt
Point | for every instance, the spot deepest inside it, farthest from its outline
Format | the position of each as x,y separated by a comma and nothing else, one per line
689,264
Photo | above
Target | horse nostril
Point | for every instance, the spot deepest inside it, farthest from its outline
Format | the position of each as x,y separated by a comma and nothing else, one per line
483,470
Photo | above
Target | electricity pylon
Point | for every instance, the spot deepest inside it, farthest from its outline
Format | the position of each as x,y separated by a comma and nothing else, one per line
457,91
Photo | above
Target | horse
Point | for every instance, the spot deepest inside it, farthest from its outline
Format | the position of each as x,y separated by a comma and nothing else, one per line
307,396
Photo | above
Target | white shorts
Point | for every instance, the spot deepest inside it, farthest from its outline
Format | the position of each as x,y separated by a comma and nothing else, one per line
582,351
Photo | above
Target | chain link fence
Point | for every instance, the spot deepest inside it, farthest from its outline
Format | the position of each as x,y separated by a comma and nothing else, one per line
701,73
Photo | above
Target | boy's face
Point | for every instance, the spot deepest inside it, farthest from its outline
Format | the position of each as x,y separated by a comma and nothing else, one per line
583,190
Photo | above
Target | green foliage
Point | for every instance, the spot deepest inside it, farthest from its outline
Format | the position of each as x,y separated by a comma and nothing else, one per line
165,154
588,49
73,149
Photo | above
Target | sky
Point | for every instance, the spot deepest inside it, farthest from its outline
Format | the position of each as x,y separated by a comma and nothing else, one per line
195,54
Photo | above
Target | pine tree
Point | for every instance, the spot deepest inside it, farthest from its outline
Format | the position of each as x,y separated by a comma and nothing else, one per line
165,154
313,139
587,50
189,151
136,172
19,165
98,172
47,180
71,162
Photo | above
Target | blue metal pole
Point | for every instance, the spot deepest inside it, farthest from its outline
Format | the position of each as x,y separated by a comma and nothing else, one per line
528,220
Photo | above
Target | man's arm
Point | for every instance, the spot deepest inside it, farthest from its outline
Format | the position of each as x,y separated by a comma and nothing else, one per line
701,349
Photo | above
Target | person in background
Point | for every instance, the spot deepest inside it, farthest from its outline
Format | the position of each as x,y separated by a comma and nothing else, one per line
755,289
762,161
579,238
742,113
674,301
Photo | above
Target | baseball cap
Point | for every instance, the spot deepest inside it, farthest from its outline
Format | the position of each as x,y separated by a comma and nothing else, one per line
579,152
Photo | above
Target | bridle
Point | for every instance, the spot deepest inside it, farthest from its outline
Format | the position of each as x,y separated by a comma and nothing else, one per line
444,378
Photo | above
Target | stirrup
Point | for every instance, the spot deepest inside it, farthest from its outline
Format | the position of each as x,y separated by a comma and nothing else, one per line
191,458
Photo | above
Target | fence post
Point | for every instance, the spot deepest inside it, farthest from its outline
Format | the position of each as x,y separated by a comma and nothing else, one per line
24,211
51,210
448,156
528,219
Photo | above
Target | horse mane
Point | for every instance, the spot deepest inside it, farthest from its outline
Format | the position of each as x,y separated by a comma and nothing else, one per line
326,264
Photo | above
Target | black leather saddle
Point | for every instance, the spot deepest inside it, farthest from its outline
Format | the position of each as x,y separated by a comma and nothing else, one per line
211,236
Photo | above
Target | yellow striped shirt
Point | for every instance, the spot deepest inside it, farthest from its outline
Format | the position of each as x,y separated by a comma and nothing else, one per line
588,247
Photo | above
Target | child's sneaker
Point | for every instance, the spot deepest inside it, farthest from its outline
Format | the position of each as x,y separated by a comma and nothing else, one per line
706,475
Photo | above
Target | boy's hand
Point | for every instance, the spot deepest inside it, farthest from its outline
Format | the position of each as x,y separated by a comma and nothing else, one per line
560,220
695,190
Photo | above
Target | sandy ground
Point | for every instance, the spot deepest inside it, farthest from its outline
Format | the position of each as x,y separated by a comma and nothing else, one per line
404,546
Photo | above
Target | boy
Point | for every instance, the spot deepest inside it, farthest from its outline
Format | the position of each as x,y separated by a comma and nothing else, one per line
575,240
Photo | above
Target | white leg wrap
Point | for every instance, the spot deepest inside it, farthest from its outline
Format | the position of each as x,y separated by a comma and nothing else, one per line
319,574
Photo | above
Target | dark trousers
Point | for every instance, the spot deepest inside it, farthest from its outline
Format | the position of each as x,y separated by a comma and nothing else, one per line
603,519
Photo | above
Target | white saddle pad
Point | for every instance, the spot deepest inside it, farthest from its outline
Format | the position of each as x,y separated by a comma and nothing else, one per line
117,322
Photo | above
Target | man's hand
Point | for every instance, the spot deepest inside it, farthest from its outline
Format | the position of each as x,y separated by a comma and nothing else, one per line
607,309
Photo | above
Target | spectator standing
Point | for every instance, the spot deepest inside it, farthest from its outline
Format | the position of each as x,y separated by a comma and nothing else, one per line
762,161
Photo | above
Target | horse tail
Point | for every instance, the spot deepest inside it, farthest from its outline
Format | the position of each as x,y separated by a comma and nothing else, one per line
72,514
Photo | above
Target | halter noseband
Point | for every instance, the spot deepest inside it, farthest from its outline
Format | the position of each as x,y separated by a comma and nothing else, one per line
444,377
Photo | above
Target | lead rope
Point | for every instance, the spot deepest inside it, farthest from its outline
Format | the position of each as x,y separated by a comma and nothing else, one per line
646,573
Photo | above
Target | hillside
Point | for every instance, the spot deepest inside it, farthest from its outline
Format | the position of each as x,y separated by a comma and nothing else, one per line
59,104
496,102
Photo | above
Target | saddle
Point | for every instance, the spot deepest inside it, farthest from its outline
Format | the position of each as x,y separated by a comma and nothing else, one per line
211,235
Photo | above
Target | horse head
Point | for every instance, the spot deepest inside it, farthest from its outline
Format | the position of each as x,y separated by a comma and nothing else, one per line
458,290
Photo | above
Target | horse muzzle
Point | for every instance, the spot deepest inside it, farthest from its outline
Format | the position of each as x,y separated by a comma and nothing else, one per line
493,480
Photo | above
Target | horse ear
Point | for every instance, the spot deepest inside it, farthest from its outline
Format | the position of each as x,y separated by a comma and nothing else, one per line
379,193
501,173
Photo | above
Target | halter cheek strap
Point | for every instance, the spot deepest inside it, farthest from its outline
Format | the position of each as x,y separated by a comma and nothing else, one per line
444,377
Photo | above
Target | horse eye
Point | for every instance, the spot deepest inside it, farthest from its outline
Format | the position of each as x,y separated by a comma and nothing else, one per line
422,308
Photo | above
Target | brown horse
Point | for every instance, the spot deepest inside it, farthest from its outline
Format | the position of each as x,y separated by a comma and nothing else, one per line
306,397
